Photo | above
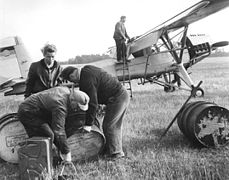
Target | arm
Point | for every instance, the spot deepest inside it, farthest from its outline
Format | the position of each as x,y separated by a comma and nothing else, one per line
30,81
126,35
59,79
59,113
89,87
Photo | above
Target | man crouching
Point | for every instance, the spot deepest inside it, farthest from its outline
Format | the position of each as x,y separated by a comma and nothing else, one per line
44,114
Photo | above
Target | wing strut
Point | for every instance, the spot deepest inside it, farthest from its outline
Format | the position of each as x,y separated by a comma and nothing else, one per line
177,54
183,42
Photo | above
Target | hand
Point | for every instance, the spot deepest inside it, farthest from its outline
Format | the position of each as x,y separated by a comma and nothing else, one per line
87,128
66,157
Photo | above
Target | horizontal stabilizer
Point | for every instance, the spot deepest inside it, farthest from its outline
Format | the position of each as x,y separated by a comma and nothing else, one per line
16,89
5,83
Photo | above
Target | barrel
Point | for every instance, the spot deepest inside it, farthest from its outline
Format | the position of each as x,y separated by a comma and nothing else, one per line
82,145
205,124
12,133
183,115
180,116
85,145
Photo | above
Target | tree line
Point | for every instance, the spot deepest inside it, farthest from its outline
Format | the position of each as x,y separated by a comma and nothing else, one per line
86,59
220,54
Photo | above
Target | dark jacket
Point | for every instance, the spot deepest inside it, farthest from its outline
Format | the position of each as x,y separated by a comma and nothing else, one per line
99,86
120,30
53,102
41,78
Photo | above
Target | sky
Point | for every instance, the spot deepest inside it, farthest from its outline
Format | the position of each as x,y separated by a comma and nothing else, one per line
79,27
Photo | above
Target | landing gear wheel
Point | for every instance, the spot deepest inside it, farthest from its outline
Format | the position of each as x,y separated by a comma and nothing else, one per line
199,92
169,88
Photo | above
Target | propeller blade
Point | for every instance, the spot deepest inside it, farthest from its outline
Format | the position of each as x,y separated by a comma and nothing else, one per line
220,44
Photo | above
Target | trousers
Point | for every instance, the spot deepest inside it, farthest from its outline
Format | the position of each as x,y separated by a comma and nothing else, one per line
120,49
112,122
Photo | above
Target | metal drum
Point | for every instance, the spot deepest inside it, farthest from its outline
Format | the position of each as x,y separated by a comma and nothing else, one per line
205,124
85,145
185,114
180,117
12,132
74,121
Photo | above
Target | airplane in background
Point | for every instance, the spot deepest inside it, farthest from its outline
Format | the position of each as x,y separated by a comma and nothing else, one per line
161,55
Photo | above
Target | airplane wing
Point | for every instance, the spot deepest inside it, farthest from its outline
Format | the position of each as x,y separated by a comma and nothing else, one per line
194,13
198,12
17,87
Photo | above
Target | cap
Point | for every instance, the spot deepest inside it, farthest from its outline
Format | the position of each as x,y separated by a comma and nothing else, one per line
66,72
81,98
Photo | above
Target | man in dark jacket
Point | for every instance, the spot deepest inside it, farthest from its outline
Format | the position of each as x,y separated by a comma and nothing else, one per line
120,36
43,74
102,88
44,114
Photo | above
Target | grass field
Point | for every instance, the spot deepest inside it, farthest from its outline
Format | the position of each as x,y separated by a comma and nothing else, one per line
149,113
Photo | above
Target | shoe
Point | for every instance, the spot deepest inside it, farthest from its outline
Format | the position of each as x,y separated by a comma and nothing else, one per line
128,60
121,61
116,156
66,157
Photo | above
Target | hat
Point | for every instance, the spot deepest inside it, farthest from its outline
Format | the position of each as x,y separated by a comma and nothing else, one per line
66,72
81,97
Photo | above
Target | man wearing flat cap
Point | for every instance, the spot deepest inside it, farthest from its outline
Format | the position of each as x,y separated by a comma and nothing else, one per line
44,114
120,36
104,89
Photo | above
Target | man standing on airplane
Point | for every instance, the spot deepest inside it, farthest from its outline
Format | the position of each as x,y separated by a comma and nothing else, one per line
44,114
120,36
104,89
45,73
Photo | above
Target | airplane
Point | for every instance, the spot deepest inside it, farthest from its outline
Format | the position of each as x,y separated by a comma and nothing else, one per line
161,55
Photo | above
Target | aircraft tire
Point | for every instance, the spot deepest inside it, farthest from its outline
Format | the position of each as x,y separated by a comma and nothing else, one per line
169,89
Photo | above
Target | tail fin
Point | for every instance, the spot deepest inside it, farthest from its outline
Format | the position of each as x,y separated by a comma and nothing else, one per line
14,58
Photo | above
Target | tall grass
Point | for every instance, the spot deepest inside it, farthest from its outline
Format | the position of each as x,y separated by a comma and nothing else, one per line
149,113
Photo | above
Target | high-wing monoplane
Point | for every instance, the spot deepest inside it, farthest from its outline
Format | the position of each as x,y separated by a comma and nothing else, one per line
161,55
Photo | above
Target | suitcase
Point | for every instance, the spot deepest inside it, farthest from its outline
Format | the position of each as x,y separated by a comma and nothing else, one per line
35,159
